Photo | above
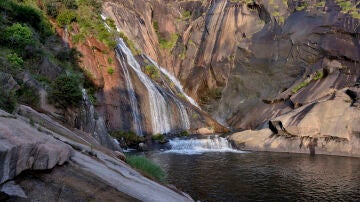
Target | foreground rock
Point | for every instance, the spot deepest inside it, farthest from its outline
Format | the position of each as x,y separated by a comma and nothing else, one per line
323,127
77,166
22,147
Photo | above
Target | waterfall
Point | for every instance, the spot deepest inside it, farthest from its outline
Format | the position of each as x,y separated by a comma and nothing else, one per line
161,117
199,146
175,81
131,93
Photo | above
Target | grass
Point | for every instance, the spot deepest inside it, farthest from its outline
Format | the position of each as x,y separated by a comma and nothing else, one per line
168,44
318,75
152,72
146,166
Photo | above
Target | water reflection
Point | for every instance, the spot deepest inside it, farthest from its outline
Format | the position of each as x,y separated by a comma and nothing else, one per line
262,176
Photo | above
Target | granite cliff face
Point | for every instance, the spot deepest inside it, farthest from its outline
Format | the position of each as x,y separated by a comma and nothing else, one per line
233,55
250,62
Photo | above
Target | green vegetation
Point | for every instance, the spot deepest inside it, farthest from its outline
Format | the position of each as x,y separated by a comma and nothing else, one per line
65,91
300,86
28,41
28,95
152,72
110,70
317,76
168,44
130,138
146,166
130,44
183,134
349,7
163,42
159,137
15,60
18,35
66,17
186,15
7,101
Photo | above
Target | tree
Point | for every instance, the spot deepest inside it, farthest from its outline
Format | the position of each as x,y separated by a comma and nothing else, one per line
65,91
18,35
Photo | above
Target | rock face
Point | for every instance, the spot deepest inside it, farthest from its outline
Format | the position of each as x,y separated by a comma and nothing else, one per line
30,146
22,147
315,128
232,56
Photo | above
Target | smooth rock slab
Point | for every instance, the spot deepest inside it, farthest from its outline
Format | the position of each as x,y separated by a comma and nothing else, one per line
23,147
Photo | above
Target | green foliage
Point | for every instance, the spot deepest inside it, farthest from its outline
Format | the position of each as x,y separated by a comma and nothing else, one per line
130,137
300,86
186,15
65,91
318,75
183,134
110,60
15,60
7,101
26,13
18,35
159,137
110,70
28,95
66,17
130,44
349,7
147,167
168,44
111,23
152,72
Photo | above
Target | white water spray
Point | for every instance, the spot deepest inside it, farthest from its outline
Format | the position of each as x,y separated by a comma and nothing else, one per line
199,146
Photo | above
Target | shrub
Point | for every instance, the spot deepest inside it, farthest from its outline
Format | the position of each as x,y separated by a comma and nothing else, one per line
152,72
65,91
66,17
18,35
110,70
52,8
15,60
146,166
28,95
159,137
183,134
168,44
7,101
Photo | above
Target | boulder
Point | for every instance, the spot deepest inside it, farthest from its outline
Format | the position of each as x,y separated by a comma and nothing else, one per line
23,147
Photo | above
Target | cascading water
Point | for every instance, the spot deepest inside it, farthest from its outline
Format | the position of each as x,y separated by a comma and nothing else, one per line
199,146
161,117
175,81
131,92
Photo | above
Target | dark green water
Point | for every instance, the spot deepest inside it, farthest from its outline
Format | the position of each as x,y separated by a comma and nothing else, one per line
259,176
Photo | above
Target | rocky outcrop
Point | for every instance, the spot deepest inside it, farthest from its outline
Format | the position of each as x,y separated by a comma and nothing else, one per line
23,147
324,127
28,146
8,83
